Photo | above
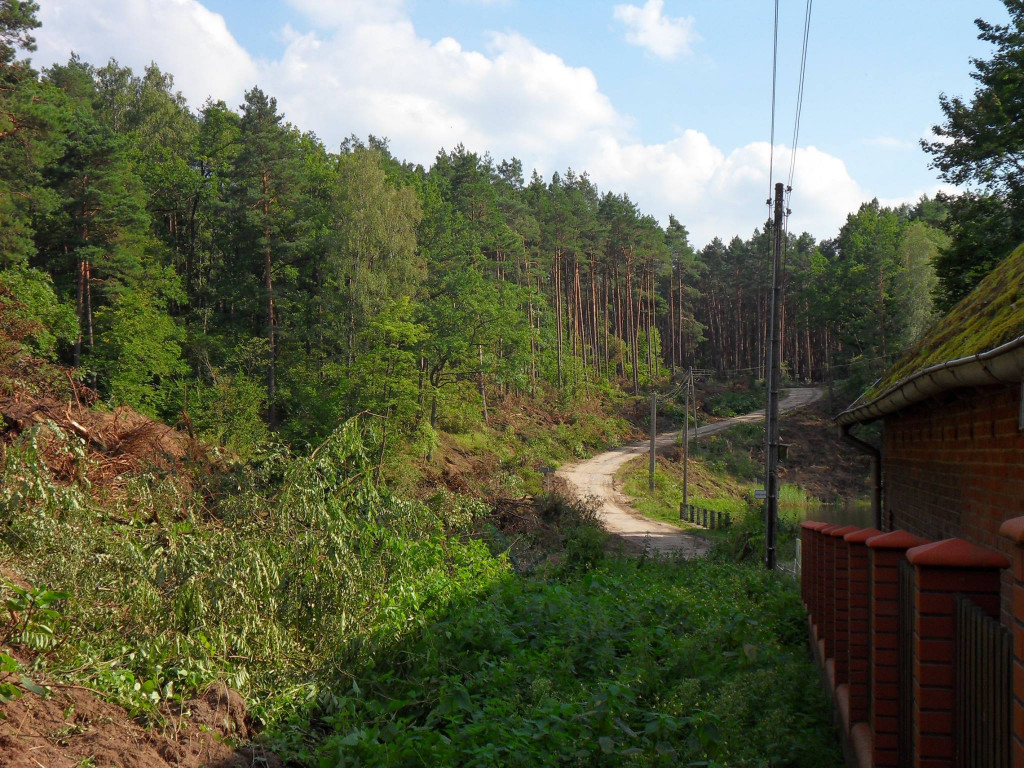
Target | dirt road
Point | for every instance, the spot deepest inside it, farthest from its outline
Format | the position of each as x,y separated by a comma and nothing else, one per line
596,478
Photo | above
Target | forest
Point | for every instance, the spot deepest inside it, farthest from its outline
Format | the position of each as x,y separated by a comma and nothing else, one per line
274,417
225,268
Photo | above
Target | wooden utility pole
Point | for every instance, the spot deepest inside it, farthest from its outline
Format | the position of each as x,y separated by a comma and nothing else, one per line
686,443
771,504
693,404
654,429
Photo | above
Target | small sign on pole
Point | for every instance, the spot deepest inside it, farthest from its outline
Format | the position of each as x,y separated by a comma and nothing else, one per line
760,493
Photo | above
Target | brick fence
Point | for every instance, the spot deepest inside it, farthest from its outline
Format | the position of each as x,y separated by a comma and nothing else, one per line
881,611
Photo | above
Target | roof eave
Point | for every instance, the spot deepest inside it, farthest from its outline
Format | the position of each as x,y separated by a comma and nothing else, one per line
1003,364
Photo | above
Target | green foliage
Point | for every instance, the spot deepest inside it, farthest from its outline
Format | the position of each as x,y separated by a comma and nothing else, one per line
138,353
269,593
735,402
33,617
17,20
365,629
733,452
27,299
983,229
992,314
978,148
618,664
229,413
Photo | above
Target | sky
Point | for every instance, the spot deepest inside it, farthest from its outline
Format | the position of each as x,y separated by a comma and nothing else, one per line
668,101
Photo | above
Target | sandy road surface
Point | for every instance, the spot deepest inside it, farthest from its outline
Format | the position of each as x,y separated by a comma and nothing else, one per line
596,478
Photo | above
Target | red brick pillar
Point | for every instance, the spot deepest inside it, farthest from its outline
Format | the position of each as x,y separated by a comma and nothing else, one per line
1013,529
841,616
809,578
885,553
806,563
860,623
942,569
827,567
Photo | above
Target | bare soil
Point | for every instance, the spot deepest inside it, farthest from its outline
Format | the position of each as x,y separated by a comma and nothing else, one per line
74,727
820,461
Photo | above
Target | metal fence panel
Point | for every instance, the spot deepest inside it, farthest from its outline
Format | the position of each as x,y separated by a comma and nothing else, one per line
983,658
906,665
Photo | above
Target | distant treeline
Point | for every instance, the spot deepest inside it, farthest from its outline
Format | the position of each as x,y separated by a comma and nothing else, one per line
228,266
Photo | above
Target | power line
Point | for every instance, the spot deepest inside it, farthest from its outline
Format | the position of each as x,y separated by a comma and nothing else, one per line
771,143
799,103
796,129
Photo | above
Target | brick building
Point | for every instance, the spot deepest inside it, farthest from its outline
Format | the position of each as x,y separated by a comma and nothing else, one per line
918,621
952,455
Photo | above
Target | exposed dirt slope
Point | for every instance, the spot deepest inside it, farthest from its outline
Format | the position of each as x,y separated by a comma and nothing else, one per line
73,728
819,461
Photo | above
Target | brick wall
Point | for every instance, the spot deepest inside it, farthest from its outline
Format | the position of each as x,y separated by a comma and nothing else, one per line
953,466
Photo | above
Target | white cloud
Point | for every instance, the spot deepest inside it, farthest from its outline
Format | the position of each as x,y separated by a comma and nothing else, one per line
648,27
714,193
366,70
182,36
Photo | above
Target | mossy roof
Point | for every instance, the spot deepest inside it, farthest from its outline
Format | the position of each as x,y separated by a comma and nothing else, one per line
988,317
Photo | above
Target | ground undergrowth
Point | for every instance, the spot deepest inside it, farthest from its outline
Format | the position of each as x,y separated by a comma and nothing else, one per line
614,662
463,619
366,629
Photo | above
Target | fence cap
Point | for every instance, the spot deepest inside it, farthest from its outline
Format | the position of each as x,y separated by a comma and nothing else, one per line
956,553
841,532
828,528
813,525
862,535
898,539
1013,529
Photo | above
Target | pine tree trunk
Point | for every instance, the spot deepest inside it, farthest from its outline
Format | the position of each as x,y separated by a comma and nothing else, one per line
268,285
558,312
88,304
79,311
634,324
672,318
483,391
595,336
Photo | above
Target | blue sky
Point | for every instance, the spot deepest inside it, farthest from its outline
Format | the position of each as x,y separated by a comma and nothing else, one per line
667,100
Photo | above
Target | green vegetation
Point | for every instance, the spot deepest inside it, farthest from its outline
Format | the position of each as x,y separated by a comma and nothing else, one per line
735,402
359,351
720,493
624,664
992,314
223,268
506,454
175,583
853,303
978,148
